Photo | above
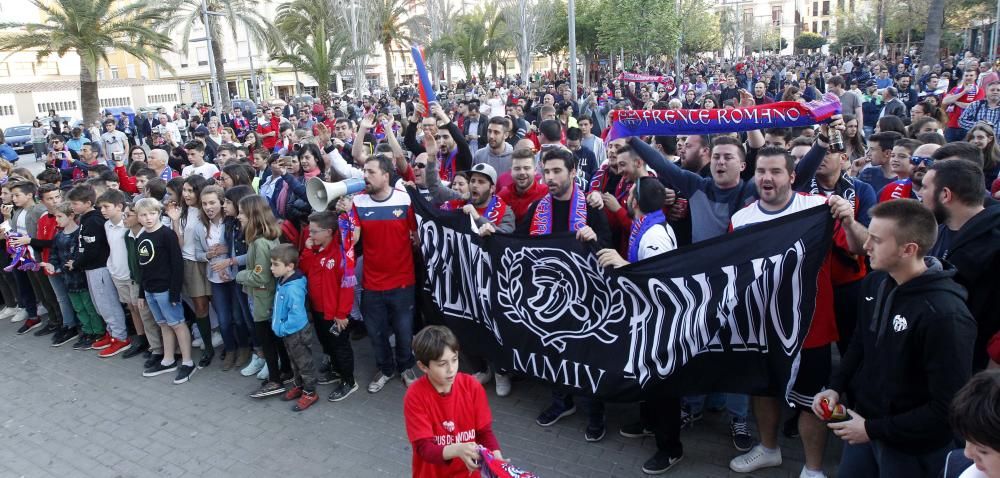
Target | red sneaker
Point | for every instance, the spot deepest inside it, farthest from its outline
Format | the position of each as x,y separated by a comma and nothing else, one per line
116,347
103,342
292,394
305,401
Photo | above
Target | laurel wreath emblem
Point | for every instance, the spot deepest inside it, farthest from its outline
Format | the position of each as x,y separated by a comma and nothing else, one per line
573,298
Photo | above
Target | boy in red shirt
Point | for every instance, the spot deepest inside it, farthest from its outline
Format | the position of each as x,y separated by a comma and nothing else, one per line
447,416
328,264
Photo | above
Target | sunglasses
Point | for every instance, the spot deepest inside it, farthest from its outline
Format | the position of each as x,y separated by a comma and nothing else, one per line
916,160
420,165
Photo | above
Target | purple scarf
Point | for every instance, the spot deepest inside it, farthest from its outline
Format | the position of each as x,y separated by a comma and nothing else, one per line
541,222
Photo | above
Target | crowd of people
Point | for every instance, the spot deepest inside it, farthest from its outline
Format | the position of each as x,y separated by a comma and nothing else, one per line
193,229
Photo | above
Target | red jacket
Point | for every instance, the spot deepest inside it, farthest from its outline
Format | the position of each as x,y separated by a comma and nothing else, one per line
125,182
47,229
324,269
521,203
269,141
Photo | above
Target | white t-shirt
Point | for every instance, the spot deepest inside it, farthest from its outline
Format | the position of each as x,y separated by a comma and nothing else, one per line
118,260
754,214
207,170
496,107
657,240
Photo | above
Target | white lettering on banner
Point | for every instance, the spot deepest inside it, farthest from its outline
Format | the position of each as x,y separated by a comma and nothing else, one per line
564,372
561,297
732,116
672,326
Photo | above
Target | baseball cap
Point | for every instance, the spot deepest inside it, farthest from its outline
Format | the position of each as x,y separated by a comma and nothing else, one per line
485,170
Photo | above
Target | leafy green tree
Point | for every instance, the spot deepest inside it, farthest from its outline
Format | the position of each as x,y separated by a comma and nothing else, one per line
394,24
313,39
809,41
91,29
699,27
643,27
235,15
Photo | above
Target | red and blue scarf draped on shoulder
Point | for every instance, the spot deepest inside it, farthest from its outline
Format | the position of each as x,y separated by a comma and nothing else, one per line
541,222
783,114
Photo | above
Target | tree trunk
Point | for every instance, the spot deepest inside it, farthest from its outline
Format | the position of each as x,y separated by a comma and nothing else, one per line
932,37
390,76
220,67
89,100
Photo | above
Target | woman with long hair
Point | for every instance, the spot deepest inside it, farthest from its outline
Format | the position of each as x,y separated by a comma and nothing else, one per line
984,137
854,141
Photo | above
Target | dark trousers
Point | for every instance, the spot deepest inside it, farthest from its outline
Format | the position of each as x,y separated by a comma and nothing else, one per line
662,416
300,354
845,308
8,289
26,296
275,355
878,460
595,408
46,295
337,347
388,312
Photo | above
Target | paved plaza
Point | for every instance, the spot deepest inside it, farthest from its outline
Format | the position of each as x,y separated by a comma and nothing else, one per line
69,413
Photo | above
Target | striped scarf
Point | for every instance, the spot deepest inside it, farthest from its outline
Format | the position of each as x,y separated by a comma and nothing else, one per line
541,222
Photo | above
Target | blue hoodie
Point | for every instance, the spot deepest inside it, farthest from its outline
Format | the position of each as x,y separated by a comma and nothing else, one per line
290,306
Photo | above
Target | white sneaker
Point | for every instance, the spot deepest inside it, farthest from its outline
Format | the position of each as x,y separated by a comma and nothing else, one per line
408,377
7,312
256,363
198,343
42,310
755,459
483,377
263,374
19,316
806,473
503,384
216,339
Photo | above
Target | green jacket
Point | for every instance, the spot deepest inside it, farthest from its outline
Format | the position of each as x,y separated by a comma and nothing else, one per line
257,280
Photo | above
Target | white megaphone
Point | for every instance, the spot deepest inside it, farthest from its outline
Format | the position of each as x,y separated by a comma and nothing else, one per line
320,193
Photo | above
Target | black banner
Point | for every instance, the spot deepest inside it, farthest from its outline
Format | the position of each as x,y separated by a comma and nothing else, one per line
728,314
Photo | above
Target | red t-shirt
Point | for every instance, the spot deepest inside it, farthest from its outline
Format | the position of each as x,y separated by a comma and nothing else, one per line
954,111
385,237
47,229
447,419
520,203
269,141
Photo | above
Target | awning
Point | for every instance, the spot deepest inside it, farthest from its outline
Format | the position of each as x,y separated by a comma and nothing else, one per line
308,81
283,82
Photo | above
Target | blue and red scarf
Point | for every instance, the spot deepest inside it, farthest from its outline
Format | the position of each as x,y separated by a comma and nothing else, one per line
639,228
447,171
899,189
347,250
541,222
783,114
493,211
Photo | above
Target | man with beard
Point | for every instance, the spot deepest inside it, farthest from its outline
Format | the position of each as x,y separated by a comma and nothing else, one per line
969,238
453,150
497,152
491,214
901,166
608,180
846,268
774,177
526,189
922,159
760,94
565,209
385,220
651,236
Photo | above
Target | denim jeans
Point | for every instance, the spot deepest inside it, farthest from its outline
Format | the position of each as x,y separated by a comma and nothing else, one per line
229,312
65,305
954,134
389,312
737,404
878,460
163,310
25,294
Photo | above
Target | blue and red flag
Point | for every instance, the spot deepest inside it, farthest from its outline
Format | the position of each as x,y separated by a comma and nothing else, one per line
424,84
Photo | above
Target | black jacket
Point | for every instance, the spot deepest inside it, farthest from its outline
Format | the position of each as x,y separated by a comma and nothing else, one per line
911,352
975,252
94,249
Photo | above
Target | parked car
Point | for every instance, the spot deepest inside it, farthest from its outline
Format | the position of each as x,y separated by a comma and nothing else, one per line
19,138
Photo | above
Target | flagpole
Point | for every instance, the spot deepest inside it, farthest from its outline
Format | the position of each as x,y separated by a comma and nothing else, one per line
572,47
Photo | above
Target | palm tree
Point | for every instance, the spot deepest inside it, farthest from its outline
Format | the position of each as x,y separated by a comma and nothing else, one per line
313,40
90,28
498,39
932,37
235,14
393,24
